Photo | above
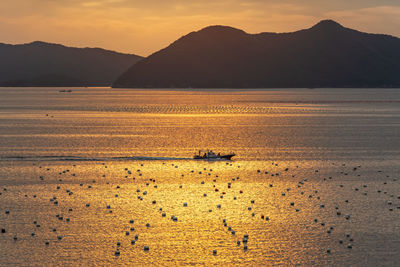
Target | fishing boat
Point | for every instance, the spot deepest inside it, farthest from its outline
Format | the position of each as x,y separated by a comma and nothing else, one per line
211,155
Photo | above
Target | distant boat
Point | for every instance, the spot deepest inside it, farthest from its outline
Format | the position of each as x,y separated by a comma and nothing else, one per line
65,91
210,155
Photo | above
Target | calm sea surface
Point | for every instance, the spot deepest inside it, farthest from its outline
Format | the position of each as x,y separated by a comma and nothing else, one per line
93,176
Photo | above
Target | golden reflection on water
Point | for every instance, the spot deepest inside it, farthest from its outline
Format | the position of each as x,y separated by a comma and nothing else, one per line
298,159
106,196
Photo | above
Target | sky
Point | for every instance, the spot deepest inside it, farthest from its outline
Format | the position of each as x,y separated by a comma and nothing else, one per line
145,26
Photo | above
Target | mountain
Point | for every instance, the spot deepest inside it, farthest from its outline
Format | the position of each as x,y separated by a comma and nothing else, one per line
325,55
44,64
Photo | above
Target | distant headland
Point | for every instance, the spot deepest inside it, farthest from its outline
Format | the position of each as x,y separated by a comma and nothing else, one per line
45,64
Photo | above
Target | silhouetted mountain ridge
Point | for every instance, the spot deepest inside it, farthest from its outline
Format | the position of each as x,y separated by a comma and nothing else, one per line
327,24
325,55
45,64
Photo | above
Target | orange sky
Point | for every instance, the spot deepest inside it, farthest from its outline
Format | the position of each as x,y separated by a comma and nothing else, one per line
143,27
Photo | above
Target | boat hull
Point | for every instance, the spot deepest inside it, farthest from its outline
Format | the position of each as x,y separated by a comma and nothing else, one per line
221,157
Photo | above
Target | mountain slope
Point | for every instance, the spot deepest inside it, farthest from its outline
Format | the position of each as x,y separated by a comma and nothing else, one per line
325,55
44,64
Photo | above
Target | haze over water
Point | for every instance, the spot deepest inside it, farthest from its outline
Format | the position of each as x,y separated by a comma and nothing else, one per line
305,157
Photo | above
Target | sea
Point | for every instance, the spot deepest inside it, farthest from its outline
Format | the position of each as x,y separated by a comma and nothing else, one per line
104,177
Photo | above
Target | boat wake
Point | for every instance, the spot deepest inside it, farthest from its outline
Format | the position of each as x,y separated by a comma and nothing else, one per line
75,158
